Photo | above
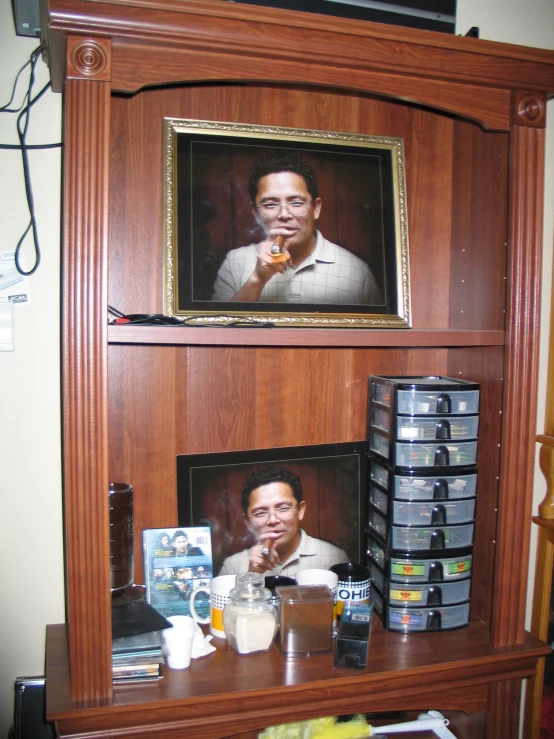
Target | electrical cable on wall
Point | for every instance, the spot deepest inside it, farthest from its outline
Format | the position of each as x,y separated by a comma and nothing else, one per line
159,319
22,128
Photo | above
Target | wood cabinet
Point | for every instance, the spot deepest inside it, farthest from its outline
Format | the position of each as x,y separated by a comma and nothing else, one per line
472,116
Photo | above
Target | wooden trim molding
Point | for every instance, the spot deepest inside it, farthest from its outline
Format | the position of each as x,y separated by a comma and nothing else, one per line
87,124
529,108
520,384
214,40
88,59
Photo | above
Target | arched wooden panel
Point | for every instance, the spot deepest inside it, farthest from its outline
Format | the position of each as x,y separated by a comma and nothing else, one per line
433,187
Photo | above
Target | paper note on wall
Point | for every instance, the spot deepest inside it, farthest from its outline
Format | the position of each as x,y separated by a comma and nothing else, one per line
14,287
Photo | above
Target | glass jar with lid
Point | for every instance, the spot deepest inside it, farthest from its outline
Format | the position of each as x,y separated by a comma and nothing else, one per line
250,617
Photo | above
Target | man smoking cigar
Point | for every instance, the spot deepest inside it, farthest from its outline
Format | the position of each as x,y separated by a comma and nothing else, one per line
273,506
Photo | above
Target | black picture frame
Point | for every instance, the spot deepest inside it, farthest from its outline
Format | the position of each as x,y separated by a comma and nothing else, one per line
334,480
208,213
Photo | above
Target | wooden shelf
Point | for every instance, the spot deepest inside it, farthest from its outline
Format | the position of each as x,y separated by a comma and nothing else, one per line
226,693
197,335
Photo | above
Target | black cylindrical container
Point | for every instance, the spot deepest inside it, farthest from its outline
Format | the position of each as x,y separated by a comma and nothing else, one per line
121,536
353,585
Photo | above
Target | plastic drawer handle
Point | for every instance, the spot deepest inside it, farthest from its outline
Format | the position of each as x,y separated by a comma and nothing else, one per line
444,403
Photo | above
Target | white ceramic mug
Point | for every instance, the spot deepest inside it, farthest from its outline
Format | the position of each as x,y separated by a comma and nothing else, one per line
318,577
321,577
200,611
220,587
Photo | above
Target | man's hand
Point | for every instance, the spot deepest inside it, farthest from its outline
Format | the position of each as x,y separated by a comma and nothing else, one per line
263,558
266,268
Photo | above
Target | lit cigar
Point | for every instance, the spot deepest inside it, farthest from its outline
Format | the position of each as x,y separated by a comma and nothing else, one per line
276,252
266,549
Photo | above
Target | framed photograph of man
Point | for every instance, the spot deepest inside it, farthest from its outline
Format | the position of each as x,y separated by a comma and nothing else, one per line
307,504
284,226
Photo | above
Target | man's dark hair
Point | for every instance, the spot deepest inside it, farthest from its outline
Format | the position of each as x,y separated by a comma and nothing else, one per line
281,161
270,474
179,532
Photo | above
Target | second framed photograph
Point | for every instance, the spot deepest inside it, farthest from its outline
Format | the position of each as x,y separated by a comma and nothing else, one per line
286,227
309,499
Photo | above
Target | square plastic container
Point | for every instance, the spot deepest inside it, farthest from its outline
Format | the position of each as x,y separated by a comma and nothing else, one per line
405,567
379,473
422,538
382,392
436,402
416,595
380,444
410,569
377,522
409,485
305,618
436,428
378,498
377,577
433,395
428,594
376,552
421,454
381,418
417,513
427,619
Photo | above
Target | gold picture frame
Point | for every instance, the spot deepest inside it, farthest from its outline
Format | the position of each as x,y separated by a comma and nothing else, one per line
211,226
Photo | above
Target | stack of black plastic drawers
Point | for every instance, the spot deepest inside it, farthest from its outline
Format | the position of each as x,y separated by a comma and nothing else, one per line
422,442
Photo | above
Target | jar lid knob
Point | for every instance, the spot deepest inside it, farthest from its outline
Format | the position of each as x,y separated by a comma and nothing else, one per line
250,586
250,581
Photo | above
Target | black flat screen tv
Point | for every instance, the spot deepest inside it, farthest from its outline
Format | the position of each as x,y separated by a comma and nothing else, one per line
431,15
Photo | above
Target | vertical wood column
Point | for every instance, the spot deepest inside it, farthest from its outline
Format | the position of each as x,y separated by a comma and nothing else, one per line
503,713
520,381
86,182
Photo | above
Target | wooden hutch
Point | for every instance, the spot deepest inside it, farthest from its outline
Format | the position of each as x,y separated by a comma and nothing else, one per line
472,116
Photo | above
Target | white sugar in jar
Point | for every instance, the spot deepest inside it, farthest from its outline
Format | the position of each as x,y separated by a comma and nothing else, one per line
250,617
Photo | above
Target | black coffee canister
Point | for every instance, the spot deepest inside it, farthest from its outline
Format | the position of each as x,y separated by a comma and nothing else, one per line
276,581
121,536
353,585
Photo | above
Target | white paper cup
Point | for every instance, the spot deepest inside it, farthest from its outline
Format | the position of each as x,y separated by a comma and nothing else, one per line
220,587
178,641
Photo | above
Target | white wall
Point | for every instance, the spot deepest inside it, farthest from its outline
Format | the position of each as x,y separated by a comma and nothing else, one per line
31,574
31,569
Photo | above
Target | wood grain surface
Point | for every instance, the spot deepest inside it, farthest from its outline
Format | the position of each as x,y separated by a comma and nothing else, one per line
225,694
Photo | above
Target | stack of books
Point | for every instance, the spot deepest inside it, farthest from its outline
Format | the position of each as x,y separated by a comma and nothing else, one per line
137,658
